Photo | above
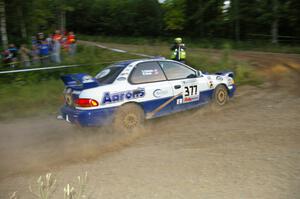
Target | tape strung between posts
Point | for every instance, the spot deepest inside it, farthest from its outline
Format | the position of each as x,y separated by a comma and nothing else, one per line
35,69
114,49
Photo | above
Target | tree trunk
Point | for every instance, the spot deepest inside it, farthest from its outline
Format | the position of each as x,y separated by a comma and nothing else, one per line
274,26
62,21
22,23
236,20
3,25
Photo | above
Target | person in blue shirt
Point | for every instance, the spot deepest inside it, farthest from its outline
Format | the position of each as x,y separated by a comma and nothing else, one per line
13,55
44,52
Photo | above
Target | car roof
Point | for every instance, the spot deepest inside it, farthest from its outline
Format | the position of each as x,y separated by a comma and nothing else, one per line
127,62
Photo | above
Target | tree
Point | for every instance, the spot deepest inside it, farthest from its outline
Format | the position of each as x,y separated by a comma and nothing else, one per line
275,19
236,18
205,17
3,25
175,17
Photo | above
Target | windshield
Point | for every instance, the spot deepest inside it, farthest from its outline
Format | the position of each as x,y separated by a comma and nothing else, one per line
109,74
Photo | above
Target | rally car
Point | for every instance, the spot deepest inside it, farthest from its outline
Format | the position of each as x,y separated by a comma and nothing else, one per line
126,93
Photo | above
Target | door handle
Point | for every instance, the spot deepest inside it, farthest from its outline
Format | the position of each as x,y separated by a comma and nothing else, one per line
177,86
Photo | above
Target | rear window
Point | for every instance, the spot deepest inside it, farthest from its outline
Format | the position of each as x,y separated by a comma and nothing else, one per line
147,72
109,74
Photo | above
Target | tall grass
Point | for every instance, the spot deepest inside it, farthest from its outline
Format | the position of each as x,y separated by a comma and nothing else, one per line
40,92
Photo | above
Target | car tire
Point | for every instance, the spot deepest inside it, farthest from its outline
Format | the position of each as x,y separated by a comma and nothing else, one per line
129,118
220,96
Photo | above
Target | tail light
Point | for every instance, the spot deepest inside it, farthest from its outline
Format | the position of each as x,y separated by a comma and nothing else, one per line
85,102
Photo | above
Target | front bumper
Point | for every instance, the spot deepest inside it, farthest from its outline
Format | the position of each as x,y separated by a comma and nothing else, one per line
96,117
231,90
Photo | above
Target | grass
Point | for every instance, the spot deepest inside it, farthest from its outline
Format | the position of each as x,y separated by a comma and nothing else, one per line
212,43
40,93
202,60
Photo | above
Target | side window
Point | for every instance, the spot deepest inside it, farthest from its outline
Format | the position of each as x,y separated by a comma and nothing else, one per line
147,72
177,71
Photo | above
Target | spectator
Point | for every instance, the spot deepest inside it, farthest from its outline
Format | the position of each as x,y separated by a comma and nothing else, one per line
6,57
49,39
13,54
44,53
71,40
57,36
34,40
24,55
56,51
40,38
35,55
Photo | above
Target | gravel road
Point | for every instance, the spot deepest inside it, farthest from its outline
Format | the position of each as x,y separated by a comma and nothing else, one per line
249,149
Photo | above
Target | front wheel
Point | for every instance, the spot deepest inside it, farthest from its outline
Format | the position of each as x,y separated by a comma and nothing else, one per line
220,96
129,117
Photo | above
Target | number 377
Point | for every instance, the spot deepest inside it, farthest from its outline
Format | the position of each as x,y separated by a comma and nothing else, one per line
190,90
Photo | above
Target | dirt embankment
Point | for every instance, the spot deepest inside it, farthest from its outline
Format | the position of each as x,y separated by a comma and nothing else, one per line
249,149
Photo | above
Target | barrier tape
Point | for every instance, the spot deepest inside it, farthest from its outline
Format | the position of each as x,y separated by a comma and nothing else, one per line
20,62
51,67
35,69
115,49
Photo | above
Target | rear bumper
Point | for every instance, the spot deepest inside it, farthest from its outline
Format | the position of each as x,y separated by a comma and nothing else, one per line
96,117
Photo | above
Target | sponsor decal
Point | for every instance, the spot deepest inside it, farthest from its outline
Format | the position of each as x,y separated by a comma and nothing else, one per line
190,94
150,72
211,85
190,99
179,101
121,96
189,81
159,93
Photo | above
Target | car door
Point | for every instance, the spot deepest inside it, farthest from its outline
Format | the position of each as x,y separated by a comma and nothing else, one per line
186,83
158,92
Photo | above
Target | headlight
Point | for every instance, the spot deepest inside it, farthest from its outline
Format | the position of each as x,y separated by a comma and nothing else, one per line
230,81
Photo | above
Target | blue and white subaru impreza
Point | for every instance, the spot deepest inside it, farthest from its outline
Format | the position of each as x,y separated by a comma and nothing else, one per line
126,93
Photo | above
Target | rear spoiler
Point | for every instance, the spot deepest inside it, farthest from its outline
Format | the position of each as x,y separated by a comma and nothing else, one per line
79,81
226,73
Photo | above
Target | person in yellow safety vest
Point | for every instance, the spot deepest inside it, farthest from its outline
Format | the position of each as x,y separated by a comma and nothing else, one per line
178,50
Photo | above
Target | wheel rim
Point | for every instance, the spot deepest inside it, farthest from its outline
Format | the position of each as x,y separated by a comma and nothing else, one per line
130,121
221,97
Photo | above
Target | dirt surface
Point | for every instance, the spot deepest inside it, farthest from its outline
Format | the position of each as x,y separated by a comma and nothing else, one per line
249,149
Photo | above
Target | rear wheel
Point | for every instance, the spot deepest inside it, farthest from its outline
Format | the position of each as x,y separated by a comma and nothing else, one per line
220,96
129,118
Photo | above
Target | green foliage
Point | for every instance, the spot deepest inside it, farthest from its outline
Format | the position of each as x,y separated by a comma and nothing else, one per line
196,18
175,17
126,17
